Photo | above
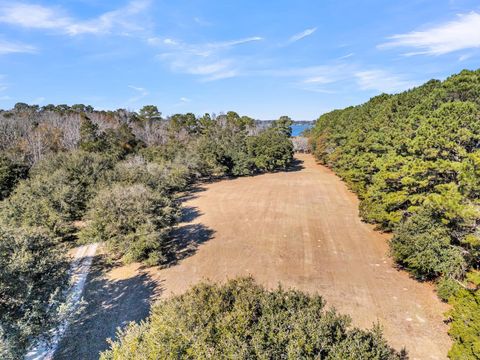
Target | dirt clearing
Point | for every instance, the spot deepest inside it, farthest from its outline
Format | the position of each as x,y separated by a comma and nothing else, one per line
301,229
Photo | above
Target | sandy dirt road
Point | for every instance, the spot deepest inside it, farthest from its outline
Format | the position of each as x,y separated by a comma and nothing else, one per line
301,229
82,260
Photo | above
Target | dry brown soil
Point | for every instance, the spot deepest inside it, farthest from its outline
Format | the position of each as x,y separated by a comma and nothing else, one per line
299,228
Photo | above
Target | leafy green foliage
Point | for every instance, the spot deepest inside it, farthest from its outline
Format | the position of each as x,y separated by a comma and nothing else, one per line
32,277
423,246
56,192
447,287
272,149
225,146
149,112
11,173
406,151
90,139
134,221
115,142
465,320
164,177
242,320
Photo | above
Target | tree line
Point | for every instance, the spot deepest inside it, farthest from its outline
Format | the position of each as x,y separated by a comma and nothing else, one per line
414,160
72,175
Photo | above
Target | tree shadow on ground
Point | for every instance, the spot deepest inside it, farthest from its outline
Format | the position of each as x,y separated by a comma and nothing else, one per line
192,191
189,213
109,304
296,165
185,240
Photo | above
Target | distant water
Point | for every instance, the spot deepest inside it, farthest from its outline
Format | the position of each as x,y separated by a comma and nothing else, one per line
297,129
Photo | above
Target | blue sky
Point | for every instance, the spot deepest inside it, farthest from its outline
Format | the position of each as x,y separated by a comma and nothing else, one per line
260,58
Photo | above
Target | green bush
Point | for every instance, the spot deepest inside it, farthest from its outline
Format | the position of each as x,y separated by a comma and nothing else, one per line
271,150
134,221
447,288
165,177
465,319
242,320
39,202
423,245
11,173
56,193
115,142
33,274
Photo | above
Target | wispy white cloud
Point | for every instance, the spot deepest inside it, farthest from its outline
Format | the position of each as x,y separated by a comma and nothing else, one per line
318,80
157,41
321,78
227,44
36,16
346,56
342,76
169,42
320,74
7,47
140,93
182,102
459,34
211,61
33,16
302,35
464,57
382,80
208,70
201,22
203,49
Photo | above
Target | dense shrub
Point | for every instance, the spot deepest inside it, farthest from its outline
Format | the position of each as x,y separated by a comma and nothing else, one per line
33,273
447,287
11,172
271,150
465,320
165,176
242,320
134,221
423,245
56,193
114,142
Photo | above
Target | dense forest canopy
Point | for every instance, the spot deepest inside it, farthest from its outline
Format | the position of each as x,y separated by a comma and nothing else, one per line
414,161
71,174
